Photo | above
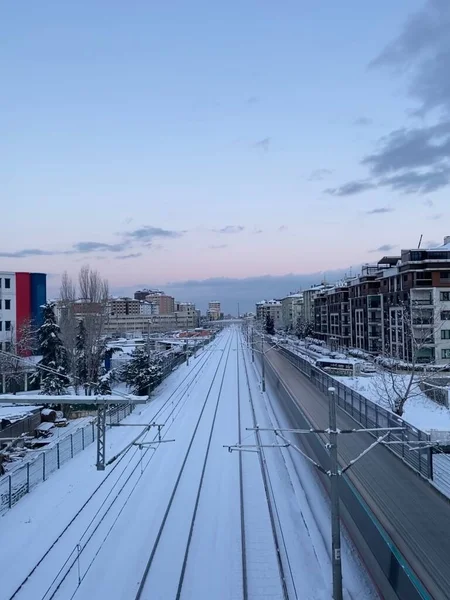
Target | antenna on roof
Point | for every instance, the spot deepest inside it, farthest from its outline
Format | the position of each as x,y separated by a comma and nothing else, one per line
420,241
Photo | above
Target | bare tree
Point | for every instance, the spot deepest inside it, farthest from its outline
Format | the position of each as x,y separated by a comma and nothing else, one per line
94,291
67,320
90,306
68,289
22,343
92,287
407,362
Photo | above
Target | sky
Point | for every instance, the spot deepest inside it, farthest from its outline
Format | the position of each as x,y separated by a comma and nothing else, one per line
236,148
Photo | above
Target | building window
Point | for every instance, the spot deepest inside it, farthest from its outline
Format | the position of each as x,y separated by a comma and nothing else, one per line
445,315
445,353
1,325
7,283
8,346
7,325
445,275
445,334
7,304
0,304
445,296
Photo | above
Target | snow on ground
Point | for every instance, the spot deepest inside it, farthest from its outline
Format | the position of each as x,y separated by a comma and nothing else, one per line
147,498
419,410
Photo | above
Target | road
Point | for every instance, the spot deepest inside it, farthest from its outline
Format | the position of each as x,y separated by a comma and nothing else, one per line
416,517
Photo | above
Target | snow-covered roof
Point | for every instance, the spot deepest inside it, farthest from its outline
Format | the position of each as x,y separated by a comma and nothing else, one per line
444,247
271,302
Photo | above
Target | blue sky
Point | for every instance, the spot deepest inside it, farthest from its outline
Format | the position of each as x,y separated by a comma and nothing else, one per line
172,142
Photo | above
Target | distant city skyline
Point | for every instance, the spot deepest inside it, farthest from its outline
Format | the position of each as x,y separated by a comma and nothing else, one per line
174,152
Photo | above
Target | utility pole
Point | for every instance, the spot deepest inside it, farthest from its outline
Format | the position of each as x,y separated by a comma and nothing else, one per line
253,347
335,508
101,436
263,366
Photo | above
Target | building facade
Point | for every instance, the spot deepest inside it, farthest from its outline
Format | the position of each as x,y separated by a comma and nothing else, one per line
214,312
399,307
165,303
124,306
21,298
272,308
291,310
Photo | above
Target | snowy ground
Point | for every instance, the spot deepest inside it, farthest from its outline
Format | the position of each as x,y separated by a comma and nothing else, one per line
174,518
419,410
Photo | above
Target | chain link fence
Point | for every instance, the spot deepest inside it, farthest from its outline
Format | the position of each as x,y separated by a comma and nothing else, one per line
22,480
371,415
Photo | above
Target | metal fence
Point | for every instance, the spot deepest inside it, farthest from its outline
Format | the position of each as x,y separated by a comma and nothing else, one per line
369,414
23,479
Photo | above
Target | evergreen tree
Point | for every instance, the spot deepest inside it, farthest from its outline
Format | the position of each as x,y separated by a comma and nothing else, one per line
142,372
81,370
103,385
54,382
303,328
270,325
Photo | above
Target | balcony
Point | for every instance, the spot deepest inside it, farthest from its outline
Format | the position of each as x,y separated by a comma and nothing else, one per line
425,321
423,283
422,301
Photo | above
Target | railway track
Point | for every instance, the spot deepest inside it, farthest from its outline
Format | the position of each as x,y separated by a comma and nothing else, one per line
284,573
170,529
113,487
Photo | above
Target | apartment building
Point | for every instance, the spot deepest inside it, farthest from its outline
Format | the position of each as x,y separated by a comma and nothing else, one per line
21,298
214,312
366,307
399,307
124,306
309,296
291,309
165,303
331,321
272,308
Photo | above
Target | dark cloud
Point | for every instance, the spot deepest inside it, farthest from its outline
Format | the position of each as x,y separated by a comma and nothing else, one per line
127,256
428,202
253,100
230,291
148,233
379,211
263,144
27,252
350,188
86,247
256,230
218,246
436,217
422,147
384,248
319,174
422,51
416,160
230,229
282,228
414,182
362,121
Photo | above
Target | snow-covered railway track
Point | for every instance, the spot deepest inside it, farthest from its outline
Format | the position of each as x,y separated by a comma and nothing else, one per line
105,498
278,550
174,536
